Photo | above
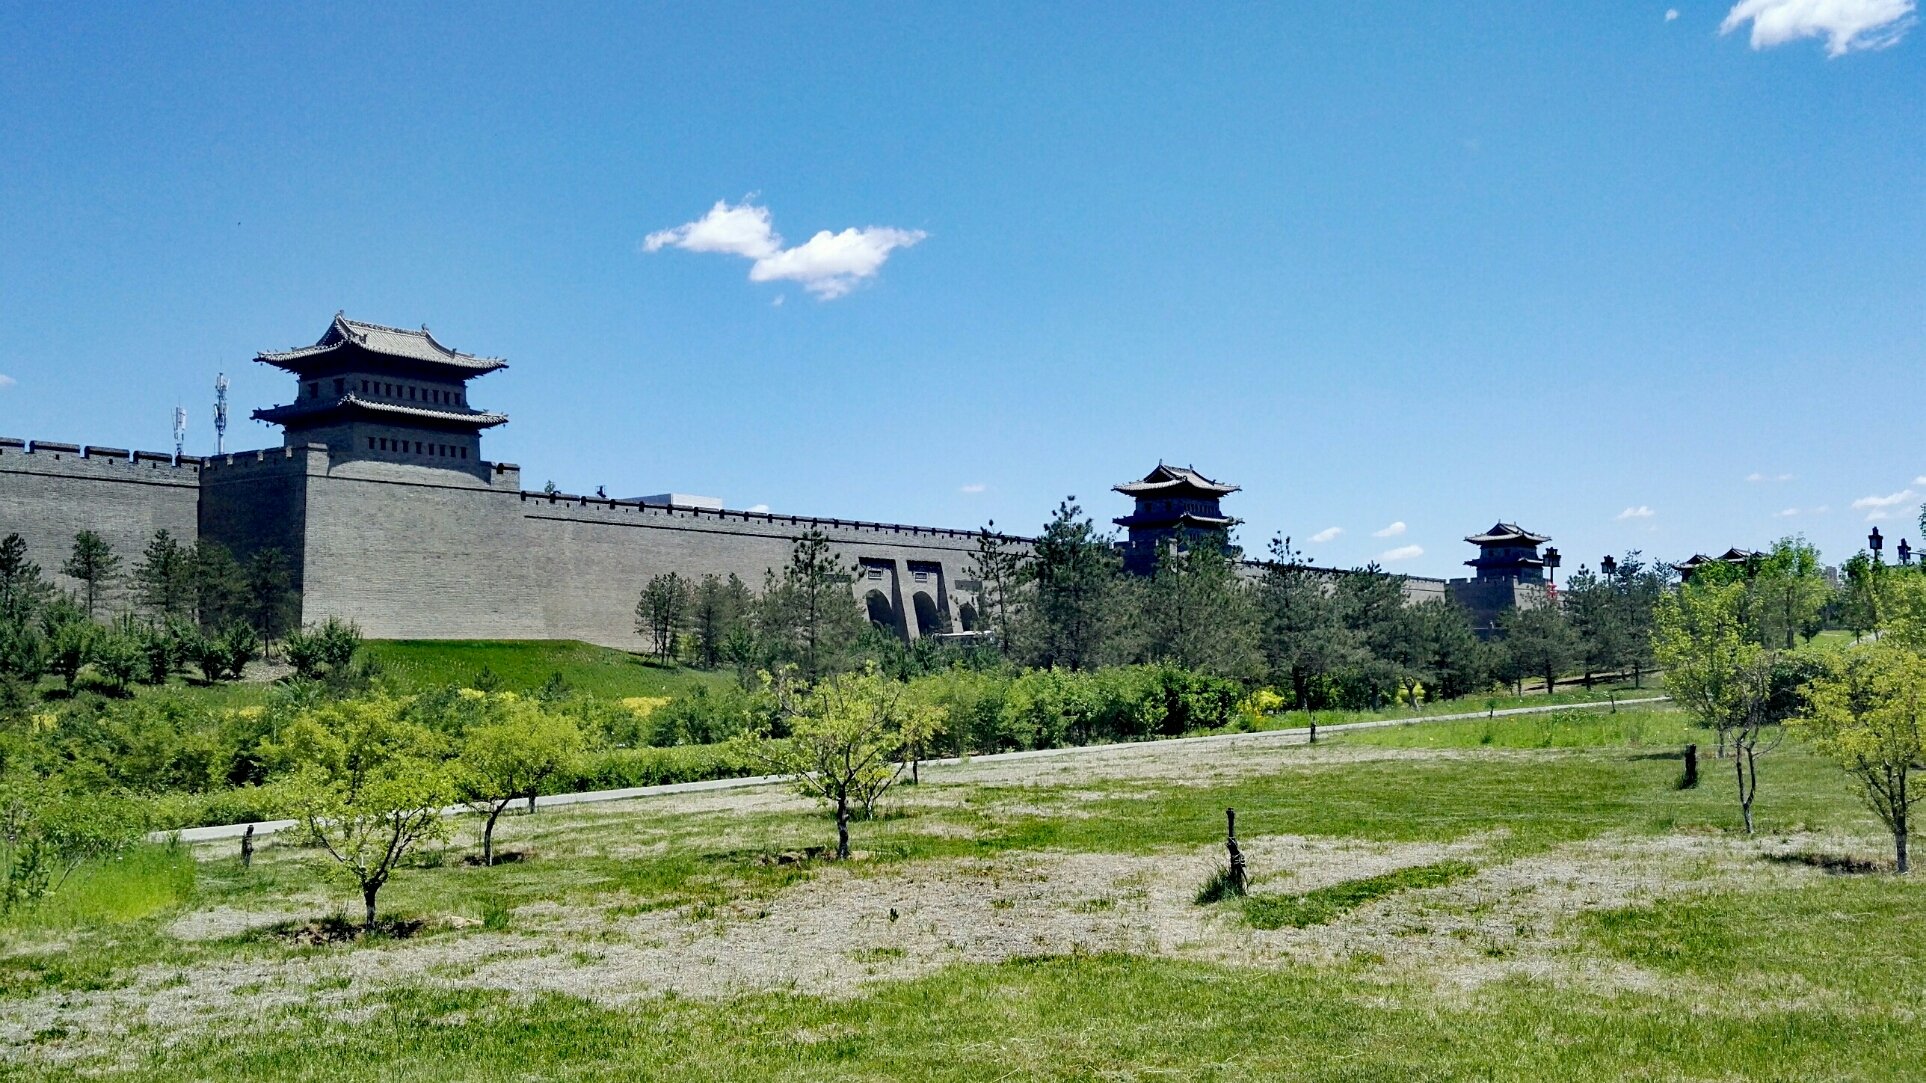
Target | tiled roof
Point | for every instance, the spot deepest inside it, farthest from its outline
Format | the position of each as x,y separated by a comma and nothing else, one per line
1169,478
390,341
479,418
1508,532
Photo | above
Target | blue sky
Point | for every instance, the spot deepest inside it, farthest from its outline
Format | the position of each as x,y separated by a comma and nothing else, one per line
1378,264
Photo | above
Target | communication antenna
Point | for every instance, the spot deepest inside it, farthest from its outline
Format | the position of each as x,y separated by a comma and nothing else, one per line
180,429
220,414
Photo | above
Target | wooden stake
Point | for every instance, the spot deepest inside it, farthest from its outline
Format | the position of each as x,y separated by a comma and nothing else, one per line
1237,872
247,846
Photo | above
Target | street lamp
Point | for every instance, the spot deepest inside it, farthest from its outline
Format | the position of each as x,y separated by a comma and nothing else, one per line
1608,566
1551,563
1875,543
1905,552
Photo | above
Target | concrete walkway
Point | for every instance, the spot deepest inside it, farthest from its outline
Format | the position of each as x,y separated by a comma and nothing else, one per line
1258,737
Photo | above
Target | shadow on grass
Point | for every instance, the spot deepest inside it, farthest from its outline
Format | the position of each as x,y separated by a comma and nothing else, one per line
1836,864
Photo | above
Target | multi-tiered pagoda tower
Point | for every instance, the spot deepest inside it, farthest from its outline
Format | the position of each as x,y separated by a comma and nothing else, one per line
374,392
1175,504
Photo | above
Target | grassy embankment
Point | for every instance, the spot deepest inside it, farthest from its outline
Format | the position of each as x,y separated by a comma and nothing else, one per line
1731,964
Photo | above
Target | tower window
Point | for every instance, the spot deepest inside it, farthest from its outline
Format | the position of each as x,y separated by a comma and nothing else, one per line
464,453
371,446
340,386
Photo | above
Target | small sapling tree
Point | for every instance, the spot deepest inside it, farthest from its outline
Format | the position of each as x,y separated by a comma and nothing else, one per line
1868,714
513,752
847,736
367,784
1720,675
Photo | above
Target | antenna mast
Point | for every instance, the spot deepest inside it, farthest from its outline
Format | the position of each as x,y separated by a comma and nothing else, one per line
220,414
180,430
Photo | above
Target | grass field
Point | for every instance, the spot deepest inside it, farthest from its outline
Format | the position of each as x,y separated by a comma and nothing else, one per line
420,664
1427,903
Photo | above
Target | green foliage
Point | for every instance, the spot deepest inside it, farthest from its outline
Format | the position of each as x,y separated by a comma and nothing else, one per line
719,610
513,750
272,604
663,612
1218,886
367,785
47,830
848,737
1327,904
1868,714
1539,641
119,656
95,564
807,616
1003,568
1198,614
164,578
1076,615
325,650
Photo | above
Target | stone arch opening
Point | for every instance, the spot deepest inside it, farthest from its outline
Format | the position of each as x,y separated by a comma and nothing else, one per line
966,615
881,613
930,619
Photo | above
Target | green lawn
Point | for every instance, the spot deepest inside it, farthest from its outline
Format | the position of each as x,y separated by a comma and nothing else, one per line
1737,963
523,665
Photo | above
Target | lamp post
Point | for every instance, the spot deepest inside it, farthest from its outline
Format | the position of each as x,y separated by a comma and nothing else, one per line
1551,564
1905,552
1608,566
1875,543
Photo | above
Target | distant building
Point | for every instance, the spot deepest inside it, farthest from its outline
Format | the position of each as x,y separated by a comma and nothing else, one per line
683,500
1175,504
1734,555
1509,574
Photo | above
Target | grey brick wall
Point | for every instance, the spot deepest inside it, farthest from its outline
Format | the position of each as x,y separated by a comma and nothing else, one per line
49,495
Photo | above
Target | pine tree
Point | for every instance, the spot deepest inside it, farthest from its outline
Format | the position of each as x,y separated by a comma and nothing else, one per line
808,614
1075,619
164,578
95,564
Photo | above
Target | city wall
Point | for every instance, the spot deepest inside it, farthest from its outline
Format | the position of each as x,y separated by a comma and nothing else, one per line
411,551
49,492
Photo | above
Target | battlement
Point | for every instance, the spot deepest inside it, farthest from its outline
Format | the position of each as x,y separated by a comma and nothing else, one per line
762,518
271,456
92,460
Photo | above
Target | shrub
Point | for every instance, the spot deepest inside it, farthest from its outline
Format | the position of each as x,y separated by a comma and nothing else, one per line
323,650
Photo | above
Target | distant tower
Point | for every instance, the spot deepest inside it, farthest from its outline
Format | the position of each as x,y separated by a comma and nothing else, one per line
220,414
180,429
1174,503
1508,552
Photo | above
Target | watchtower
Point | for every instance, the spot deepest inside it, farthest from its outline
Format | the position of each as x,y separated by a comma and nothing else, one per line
1174,503
384,393
1508,552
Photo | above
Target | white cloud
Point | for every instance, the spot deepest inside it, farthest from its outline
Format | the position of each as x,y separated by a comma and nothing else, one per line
973,488
828,265
1671,14
1639,512
1402,552
1920,480
1847,25
6,382
1329,533
1786,513
1880,507
1755,477
745,230
1391,531
759,509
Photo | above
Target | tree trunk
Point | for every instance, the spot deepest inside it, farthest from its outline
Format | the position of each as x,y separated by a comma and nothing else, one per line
531,802
488,836
368,897
842,827
1691,779
1901,863
1239,876
1742,762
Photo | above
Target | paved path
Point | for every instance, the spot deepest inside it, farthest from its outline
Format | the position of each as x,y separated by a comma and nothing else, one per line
1259,737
